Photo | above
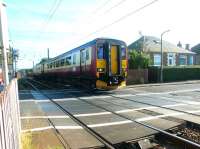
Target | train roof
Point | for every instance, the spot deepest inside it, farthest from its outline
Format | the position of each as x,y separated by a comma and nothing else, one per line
84,45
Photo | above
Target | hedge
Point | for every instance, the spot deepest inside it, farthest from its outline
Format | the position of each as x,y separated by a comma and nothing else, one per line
171,74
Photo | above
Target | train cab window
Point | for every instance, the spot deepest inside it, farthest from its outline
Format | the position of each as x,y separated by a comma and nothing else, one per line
100,52
123,53
74,59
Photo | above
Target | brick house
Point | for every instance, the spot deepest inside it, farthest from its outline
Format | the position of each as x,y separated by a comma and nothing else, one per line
196,49
172,55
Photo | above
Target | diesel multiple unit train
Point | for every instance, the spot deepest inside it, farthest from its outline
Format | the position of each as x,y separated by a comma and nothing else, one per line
101,62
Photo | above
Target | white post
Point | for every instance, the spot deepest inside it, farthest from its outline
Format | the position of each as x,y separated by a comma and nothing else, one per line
4,42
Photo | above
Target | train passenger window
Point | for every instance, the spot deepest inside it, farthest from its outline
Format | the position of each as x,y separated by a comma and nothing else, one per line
123,53
82,56
68,60
74,59
87,54
57,63
62,62
100,52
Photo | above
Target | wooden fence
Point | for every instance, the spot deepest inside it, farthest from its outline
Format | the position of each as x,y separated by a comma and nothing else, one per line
9,117
137,76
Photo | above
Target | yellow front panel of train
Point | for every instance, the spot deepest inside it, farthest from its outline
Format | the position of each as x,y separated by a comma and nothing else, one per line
101,63
114,62
124,64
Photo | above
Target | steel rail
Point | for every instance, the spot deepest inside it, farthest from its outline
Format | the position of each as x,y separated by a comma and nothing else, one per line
146,125
107,143
143,124
60,137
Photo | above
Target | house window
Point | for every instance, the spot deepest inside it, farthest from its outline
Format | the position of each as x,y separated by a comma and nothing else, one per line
157,59
171,59
191,60
182,60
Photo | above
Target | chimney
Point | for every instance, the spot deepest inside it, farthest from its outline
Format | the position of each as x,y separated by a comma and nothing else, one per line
179,44
187,46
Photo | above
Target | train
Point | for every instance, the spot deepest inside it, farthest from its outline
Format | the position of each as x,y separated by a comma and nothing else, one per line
102,63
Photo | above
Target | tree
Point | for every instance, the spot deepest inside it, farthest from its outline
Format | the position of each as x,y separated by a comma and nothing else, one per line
138,60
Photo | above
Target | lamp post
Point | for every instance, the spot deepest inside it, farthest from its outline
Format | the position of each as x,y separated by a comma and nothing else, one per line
161,53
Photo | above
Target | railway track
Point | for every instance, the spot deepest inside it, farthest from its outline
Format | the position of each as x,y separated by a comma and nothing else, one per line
103,140
107,144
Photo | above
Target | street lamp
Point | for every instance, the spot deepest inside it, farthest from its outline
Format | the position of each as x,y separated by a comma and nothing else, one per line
161,53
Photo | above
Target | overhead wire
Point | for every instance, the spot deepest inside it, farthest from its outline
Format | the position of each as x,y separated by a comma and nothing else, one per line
120,19
51,13
123,17
99,8
116,5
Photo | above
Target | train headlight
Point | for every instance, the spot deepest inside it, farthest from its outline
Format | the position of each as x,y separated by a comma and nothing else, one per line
124,69
100,69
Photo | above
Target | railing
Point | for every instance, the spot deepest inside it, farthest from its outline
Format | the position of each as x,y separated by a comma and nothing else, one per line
9,117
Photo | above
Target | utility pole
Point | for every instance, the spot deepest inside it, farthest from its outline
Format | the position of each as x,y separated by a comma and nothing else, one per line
161,54
33,64
4,42
48,53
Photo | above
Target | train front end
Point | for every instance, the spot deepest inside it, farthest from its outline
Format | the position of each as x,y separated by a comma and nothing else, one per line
111,63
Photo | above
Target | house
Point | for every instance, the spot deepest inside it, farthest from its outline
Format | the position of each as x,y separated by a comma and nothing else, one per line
172,55
196,49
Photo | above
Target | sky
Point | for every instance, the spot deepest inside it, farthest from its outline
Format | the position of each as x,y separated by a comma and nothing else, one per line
61,25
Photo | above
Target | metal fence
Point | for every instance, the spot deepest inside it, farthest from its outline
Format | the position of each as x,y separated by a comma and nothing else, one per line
10,117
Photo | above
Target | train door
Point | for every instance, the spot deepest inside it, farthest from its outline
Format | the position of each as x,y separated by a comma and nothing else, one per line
83,61
114,60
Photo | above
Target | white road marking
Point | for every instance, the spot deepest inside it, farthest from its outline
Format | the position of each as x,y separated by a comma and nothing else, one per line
61,99
110,124
180,100
158,116
123,95
44,117
78,127
137,109
37,129
148,118
65,116
92,114
68,127
27,100
169,92
174,105
95,97
99,113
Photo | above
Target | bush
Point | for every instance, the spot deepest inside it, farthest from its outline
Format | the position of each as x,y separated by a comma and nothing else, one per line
138,60
171,74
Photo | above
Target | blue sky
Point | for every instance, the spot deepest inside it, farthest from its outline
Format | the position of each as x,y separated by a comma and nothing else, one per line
74,20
